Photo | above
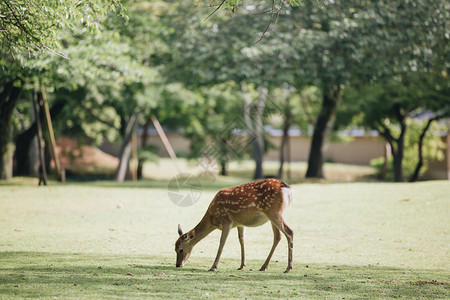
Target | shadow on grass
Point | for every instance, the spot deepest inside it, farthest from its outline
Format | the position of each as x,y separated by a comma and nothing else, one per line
36,274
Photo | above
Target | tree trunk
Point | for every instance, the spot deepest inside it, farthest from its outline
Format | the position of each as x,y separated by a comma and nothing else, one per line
145,136
253,116
415,176
7,159
284,142
398,154
223,157
8,99
144,141
322,131
42,166
285,138
397,144
125,151
223,168
387,154
398,171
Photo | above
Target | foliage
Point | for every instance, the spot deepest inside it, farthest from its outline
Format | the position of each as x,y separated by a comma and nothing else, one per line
302,105
218,118
33,25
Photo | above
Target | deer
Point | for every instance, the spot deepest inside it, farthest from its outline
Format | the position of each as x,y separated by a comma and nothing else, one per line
247,205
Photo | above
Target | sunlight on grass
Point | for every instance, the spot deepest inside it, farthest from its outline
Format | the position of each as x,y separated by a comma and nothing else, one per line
101,240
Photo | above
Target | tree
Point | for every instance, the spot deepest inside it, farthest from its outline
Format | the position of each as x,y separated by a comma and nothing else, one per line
202,57
342,43
326,52
390,106
30,26
411,39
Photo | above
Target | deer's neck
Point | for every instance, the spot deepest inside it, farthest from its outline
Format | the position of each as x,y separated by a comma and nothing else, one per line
202,229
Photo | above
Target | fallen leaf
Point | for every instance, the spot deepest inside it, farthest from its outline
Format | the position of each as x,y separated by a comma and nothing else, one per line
160,274
129,274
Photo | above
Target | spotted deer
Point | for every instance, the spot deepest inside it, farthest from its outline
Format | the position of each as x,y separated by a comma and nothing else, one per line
248,205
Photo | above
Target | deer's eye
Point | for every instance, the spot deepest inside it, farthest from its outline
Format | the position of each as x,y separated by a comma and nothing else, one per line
181,251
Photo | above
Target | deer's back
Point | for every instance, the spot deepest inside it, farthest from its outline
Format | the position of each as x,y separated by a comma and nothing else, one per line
247,204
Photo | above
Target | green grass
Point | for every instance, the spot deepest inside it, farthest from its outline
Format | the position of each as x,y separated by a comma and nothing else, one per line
103,240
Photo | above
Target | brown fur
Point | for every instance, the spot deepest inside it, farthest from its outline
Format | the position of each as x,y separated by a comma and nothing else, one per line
247,205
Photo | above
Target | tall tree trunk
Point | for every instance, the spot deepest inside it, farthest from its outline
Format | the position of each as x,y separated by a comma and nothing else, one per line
8,99
322,131
125,150
253,116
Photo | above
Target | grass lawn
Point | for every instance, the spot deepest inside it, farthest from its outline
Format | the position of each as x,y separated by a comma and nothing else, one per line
105,240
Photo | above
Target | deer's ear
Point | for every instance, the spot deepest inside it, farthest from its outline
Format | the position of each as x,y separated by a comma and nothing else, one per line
180,231
191,234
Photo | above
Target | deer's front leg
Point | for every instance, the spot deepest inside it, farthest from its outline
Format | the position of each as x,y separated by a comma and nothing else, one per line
223,238
241,231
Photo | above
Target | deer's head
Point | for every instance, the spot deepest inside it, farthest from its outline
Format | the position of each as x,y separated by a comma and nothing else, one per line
183,246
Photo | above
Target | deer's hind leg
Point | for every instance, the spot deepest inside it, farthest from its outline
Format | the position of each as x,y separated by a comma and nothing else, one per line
278,221
276,240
